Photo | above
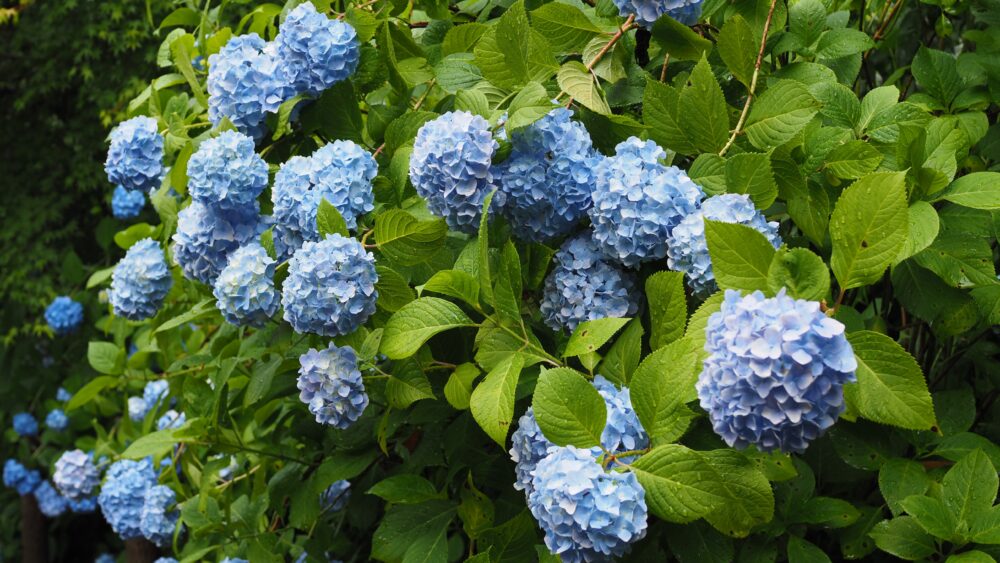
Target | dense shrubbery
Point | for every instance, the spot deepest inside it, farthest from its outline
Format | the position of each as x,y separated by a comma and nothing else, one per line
526,280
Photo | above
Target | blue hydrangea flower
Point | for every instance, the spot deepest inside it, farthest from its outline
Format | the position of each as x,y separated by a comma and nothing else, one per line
140,281
246,80
584,285
165,560
64,315
623,431
340,172
330,385
171,419
123,493
318,51
135,158
205,238
154,393
137,409
451,167
127,204
688,250
638,201
25,424
775,371
646,12
244,291
234,560
226,174
56,420
105,558
50,502
586,513
156,520
335,497
85,505
548,177
76,476
63,395
19,477
330,288
528,447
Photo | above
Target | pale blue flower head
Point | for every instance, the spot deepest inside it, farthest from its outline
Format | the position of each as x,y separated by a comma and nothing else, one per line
330,288
688,250
227,175
135,158
157,518
775,371
25,424
64,315
127,204
171,419
246,81
75,475
137,409
340,172
206,237
155,393
56,420
638,201
105,558
585,285
330,385
646,12
318,51
123,494
50,502
244,291
140,282
528,447
335,497
62,395
586,513
84,505
451,167
165,560
20,478
548,177
623,431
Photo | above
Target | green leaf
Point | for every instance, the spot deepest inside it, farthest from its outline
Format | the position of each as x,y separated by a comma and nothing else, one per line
841,106
876,101
676,483
828,512
473,101
181,49
750,173
410,327
868,227
852,159
92,389
528,106
512,54
582,86
404,489
462,38
125,239
973,556
261,379
843,42
904,538
106,357
454,283
932,515
393,291
891,388
802,551
747,497
936,72
779,114
667,307
589,336
807,20
329,220
458,389
899,478
738,47
924,225
979,190
660,113
969,489
414,532
407,384
154,444
336,114
457,73
702,109
406,240
679,40
492,402
624,355
961,260
741,256
569,409
565,27
801,272
662,386
202,308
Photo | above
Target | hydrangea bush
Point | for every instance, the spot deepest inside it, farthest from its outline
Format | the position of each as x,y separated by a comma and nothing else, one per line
540,281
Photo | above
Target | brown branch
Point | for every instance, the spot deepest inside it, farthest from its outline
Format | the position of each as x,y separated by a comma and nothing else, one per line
625,28
663,71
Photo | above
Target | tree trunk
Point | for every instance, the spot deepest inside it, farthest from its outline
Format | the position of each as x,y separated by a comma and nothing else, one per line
140,550
34,540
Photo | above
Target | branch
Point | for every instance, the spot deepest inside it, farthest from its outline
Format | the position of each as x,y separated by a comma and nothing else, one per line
625,27
753,81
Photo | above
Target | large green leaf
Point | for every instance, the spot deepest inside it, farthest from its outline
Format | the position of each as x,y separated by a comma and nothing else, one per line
741,256
676,482
589,336
667,307
569,409
582,86
565,27
662,386
979,190
406,240
702,109
779,114
492,402
416,322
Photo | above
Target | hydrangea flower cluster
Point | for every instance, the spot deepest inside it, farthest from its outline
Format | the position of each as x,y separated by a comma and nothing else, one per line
105,558
451,167
135,158
246,81
638,201
50,502
775,371
76,476
123,494
244,290
330,288
330,385
688,250
528,447
63,395
165,560
56,420
152,394
25,424
205,238
335,497
548,177
171,419
584,285
20,478
156,519
137,409
85,505
318,51
127,204
226,175
586,513
646,12
64,315
140,281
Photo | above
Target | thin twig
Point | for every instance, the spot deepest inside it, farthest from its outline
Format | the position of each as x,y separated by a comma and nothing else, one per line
753,80
663,71
884,26
625,27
